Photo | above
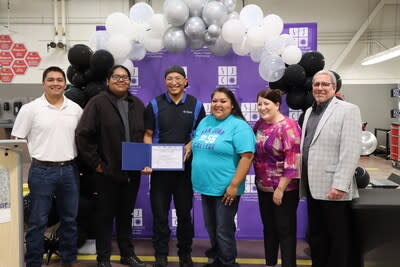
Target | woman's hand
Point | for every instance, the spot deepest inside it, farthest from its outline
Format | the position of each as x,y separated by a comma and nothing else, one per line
277,197
230,195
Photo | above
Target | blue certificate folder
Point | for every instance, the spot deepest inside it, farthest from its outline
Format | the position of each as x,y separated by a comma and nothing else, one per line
136,156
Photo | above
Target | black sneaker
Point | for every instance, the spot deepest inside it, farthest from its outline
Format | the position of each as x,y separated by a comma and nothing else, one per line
161,261
185,260
132,261
104,264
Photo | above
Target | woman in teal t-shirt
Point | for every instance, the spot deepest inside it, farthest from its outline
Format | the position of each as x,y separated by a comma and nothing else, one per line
222,150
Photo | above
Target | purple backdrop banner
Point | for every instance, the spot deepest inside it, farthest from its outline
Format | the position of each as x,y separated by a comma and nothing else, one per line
206,72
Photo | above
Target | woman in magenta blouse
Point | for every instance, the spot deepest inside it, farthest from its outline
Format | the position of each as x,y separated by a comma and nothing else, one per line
277,168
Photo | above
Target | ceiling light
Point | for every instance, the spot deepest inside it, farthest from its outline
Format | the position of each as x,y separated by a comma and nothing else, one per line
382,56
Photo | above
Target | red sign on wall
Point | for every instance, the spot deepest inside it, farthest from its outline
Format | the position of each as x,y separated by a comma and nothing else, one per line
18,50
33,59
5,58
19,67
6,75
5,42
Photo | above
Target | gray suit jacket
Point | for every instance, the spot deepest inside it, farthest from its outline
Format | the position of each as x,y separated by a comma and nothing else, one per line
334,151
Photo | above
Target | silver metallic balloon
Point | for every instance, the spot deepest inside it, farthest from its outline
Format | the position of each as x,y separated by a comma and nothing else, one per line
175,40
195,7
214,30
176,12
195,28
233,15
230,5
196,43
220,48
208,39
368,143
215,13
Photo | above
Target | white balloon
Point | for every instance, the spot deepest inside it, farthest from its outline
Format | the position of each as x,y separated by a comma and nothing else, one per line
119,46
152,44
251,15
233,31
273,26
274,46
291,55
195,7
215,13
255,36
138,52
141,12
117,23
271,68
158,23
176,12
287,40
241,49
138,31
255,53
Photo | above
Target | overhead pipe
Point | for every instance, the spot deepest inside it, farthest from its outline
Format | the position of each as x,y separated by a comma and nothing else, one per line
55,25
63,44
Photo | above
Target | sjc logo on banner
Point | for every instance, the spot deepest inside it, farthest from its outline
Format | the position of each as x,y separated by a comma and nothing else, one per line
227,75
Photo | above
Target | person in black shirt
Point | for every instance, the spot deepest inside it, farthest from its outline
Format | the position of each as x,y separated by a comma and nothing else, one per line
171,118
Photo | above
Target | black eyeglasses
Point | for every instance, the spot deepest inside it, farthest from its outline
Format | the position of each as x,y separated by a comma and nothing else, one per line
120,77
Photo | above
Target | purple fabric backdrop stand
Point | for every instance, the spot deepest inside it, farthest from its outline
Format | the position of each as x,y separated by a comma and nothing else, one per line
206,72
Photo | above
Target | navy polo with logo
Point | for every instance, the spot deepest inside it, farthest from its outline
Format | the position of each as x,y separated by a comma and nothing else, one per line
173,123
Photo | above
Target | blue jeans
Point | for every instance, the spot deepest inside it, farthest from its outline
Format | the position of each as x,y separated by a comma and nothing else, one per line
220,224
45,182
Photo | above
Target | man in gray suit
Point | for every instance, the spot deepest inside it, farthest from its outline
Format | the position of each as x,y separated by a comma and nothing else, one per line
331,143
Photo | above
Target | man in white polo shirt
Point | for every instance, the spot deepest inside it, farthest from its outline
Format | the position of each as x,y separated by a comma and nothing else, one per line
48,123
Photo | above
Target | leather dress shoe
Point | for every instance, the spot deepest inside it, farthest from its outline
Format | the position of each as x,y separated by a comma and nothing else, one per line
132,261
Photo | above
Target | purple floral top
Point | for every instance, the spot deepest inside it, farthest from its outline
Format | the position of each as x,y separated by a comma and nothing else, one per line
277,153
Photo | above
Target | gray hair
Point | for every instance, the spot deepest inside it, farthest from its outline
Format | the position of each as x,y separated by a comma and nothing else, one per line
327,72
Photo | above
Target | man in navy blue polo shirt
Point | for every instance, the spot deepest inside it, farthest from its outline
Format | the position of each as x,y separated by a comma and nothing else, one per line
171,118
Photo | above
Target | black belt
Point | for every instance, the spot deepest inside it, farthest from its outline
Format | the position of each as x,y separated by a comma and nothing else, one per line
54,163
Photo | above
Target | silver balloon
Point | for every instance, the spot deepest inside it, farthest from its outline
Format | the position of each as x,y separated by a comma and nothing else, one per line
230,5
214,30
196,44
208,39
176,12
195,7
233,15
175,40
368,143
195,28
221,47
215,13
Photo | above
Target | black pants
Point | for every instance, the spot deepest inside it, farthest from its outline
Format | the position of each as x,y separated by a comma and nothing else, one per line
164,186
115,200
329,228
280,224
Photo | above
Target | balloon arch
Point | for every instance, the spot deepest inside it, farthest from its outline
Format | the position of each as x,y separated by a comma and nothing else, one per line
196,24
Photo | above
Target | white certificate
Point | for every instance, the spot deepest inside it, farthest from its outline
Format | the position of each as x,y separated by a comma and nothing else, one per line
167,157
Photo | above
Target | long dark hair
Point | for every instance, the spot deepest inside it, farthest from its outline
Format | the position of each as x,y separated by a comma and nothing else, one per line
236,111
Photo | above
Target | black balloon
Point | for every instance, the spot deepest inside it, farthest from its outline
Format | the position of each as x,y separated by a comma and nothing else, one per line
71,72
89,75
308,84
79,79
295,100
94,88
362,177
312,62
77,95
338,81
295,75
279,84
100,63
80,55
